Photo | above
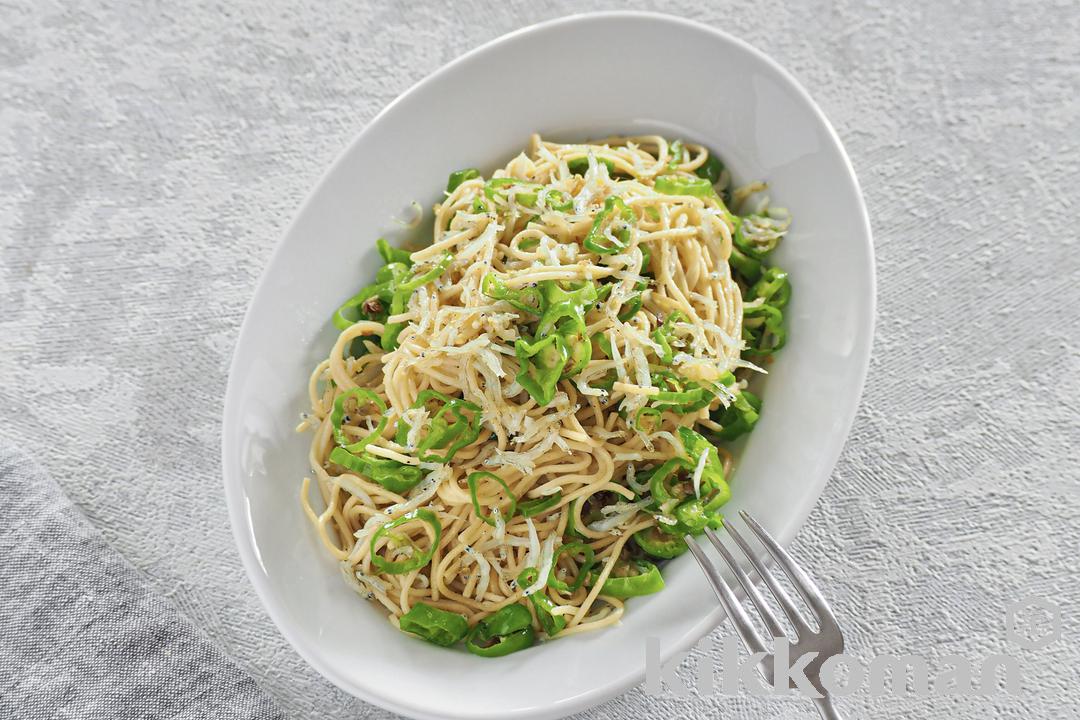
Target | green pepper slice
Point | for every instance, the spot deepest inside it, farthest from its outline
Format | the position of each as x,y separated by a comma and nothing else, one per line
711,169
394,476
678,152
614,210
526,299
659,544
681,395
392,272
435,625
460,176
392,254
647,412
537,506
559,201
580,165
631,308
712,475
505,632
404,291
449,437
664,481
415,562
763,329
559,302
583,569
507,620
774,287
541,365
524,192
739,417
337,416
630,578
474,487
663,335
691,516
571,529
550,623
744,265
682,185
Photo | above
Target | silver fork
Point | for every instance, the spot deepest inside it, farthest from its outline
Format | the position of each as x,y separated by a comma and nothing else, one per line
826,641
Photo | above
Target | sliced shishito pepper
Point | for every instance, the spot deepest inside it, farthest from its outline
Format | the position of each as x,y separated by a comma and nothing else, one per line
559,302
712,476
507,631
588,559
664,481
523,191
447,436
659,544
571,528
527,299
474,481
560,337
460,176
394,476
564,313
373,301
580,165
663,336
403,291
541,365
559,201
441,627
672,490
419,558
773,287
714,488
678,154
678,394
711,169
392,254
551,624
540,505
739,417
763,329
749,268
615,210
683,185
630,578
337,417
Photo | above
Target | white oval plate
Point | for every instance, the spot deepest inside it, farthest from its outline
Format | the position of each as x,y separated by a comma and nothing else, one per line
573,78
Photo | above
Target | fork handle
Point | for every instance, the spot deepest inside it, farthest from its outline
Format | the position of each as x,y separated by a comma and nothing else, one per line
825,708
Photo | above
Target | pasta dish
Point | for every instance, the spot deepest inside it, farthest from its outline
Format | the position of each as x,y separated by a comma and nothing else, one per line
520,421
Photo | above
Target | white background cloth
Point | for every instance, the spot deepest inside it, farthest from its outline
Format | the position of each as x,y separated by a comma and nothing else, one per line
151,157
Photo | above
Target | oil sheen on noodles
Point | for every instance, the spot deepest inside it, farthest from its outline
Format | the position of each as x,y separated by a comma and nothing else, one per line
531,410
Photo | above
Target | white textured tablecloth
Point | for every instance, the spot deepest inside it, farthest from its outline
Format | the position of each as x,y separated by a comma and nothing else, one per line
151,154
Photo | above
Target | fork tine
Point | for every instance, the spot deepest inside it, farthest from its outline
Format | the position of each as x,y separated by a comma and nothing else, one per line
782,598
751,640
802,582
752,592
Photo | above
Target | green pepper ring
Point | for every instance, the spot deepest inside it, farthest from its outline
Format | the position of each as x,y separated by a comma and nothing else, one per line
473,480
583,571
337,415
414,563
